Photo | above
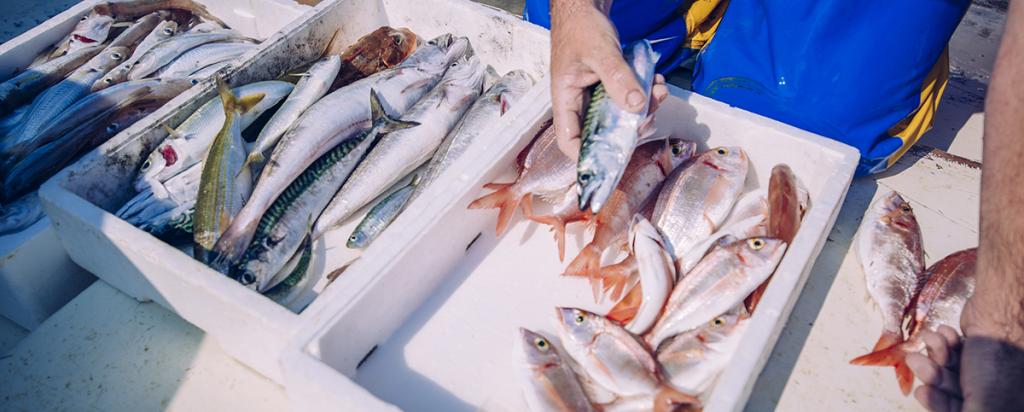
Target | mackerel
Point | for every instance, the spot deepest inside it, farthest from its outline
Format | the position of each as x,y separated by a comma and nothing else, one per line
307,91
610,134
399,153
29,83
225,183
333,119
280,231
381,215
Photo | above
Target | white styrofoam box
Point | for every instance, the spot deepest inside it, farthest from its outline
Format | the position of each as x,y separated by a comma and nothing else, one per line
249,326
430,320
36,275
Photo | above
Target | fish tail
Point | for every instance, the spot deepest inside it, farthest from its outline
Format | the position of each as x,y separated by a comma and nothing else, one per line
557,227
615,277
380,115
586,263
504,198
668,399
627,308
256,157
232,103
894,356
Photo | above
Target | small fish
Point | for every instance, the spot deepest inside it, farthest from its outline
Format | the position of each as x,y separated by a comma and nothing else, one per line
188,144
381,49
941,301
615,359
164,52
91,30
156,208
28,84
59,97
20,214
334,118
784,214
551,384
398,153
657,273
545,171
279,231
50,158
720,281
225,184
381,215
697,198
199,57
163,31
125,10
892,257
610,134
692,360
650,165
307,91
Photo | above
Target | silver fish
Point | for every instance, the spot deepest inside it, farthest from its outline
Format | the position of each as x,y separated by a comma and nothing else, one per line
280,231
56,99
610,133
164,52
335,118
92,29
28,84
696,198
225,183
381,215
155,209
657,273
163,31
208,54
551,384
720,281
43,162
188,143
892,256
493,104
295,291
307,91
20,214
692,360
399,153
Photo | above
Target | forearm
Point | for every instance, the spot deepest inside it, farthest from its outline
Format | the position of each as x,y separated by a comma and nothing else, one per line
999,294
561,9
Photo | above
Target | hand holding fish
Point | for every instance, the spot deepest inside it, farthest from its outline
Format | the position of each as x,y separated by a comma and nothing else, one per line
584,50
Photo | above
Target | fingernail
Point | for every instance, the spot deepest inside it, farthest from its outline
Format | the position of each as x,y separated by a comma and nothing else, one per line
634,98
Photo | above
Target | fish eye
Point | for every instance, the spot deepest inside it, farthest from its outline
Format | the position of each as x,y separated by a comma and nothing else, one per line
584,178
677,149
756,243
579,319
108,80
719,321
168,31
116,56
722,151
398,41
113,127
146,165
541,344
906,208
353,238
84,18
246,278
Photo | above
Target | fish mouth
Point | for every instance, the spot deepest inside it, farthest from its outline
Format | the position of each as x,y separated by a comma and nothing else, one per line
591,195
83,39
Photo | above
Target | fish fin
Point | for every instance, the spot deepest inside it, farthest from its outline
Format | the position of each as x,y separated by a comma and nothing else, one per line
557,227
888,339
614,278
503,198
587,262
171,132
255,157
626,309
668,399
755,297
247,103
894,356
299,74
330,45
646,128
232,102
379,114
527,206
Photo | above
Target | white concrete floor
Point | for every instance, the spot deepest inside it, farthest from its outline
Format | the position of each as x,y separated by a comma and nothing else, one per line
104,351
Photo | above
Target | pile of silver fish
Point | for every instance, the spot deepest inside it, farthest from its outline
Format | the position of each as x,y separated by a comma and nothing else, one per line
121,62
700,253
912,298
375,143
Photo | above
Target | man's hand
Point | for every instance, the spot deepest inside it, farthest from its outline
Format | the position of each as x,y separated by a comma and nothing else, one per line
584,50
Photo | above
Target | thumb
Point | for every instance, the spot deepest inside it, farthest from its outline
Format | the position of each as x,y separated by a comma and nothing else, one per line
619,80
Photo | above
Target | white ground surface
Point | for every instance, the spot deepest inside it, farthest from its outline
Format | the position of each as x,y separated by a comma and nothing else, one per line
105,351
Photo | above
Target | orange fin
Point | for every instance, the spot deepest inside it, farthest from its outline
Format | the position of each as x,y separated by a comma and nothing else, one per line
503,198
624,311
755,297
616,277
558,227
894,356
586,263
